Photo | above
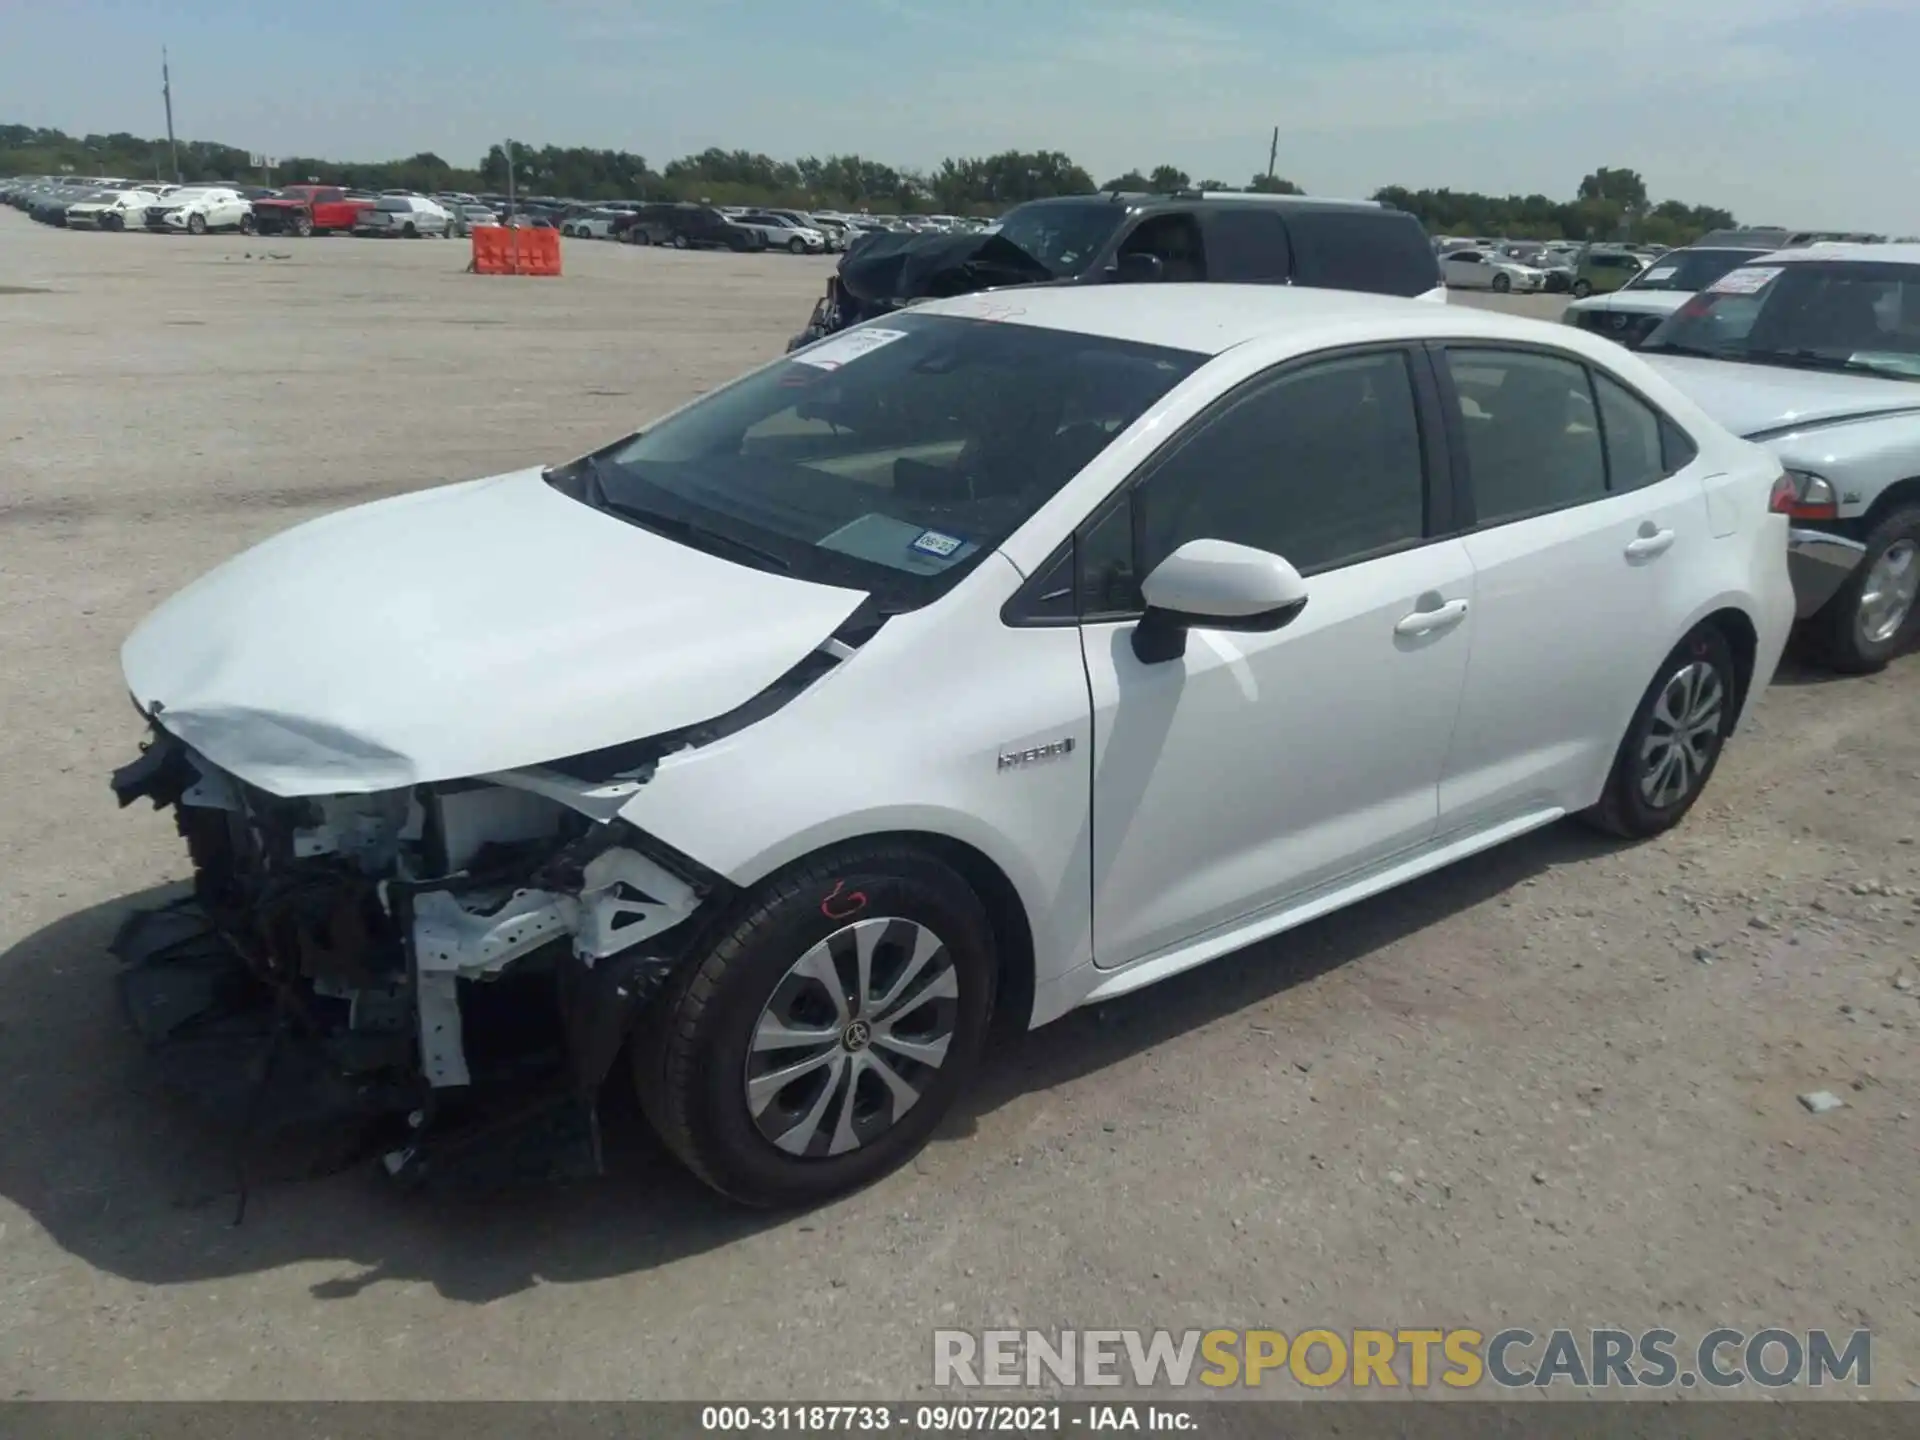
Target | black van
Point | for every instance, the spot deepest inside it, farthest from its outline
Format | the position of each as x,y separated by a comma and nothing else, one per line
689,227
1215,236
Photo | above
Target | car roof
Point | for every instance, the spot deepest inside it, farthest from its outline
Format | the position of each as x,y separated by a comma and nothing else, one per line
1187,199
1211,318
1845,252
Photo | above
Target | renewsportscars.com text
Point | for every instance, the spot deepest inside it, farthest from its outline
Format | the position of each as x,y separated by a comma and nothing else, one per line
1414,1359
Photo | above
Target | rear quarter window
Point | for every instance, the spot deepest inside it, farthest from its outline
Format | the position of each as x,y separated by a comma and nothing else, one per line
1384,252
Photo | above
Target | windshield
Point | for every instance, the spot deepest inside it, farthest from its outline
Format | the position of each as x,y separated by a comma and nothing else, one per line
1064,237
1690,270
1836,316
886,458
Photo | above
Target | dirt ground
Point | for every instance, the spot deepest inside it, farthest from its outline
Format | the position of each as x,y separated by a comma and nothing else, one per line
1554,1086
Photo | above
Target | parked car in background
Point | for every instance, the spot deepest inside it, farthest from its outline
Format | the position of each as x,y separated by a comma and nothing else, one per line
1601,272
111,210
692,227
407,216
593,224
1816,354
1636,309
782,233
786,867
466,218
1490,270
49,205
197,209
310,210
1130,239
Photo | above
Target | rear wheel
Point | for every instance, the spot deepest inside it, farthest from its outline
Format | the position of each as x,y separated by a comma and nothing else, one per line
679,242
1863,627
410,231
248,225
1674,742
1582,289
820,1041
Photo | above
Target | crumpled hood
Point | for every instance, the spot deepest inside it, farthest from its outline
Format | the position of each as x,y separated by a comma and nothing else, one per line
1762,402
459,631
886,268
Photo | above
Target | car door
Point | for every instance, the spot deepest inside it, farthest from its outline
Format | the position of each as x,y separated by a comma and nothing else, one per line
1587,511
1468,270
1258,766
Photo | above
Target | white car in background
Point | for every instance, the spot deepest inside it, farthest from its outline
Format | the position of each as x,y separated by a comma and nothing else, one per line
195,210
783,232
1816,354
114,211
938,668
1631,313
1477,269
593,224
408,216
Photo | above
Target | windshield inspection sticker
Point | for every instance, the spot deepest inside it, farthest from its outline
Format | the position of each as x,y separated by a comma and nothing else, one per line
1747,280
832,354
934,543
1659,272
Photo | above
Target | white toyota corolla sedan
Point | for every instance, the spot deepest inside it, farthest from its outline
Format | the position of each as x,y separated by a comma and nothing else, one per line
1012,653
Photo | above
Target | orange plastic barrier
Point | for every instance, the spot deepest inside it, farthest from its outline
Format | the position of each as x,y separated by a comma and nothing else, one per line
508,250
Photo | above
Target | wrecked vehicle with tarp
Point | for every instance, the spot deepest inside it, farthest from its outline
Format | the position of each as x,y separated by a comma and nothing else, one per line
1191,236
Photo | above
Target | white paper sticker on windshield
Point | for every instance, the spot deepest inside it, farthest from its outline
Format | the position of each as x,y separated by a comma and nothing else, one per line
1747,280
1659,272
851,345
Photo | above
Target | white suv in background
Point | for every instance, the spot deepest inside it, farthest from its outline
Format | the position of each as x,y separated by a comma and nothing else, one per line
195,210
1487,270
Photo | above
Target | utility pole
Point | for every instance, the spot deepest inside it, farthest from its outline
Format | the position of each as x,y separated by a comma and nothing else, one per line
1273,152
166,94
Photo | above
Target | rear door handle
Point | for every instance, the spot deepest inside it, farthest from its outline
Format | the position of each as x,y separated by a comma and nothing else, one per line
1648,546
1425,622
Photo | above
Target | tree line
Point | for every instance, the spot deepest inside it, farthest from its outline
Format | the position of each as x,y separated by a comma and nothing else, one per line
1609,203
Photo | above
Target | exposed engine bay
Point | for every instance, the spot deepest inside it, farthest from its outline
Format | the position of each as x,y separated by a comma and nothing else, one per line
432,963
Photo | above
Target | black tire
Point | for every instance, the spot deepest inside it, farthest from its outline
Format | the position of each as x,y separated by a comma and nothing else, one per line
737,244
410,231
248,225
1582,289
1502,284
303,226
1626,808
1838,633
797,245
113,222
196,224
690,1057
679,242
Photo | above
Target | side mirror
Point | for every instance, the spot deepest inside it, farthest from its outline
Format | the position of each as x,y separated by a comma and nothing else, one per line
1137,266
1214,585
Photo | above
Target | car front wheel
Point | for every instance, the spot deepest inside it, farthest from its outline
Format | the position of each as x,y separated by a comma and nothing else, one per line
1502,284
821,1040
196,224
1582,289
1863,627
1674,742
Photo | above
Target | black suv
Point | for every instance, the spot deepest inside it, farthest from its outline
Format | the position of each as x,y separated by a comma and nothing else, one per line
689,227
1227,237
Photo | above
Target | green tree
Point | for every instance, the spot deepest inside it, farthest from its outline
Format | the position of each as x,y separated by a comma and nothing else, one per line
1167,178
1264,184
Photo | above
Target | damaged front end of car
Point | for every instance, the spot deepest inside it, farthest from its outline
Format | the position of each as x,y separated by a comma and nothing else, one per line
438,965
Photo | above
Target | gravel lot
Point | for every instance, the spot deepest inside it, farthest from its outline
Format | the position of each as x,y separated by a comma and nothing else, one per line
1552,1086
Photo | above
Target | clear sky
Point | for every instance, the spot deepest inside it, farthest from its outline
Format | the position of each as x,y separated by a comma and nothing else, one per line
1797,112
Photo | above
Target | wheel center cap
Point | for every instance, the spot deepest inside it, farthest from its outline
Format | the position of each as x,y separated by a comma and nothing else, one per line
856,1035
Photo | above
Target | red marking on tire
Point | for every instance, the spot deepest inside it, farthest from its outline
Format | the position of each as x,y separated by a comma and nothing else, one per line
836,906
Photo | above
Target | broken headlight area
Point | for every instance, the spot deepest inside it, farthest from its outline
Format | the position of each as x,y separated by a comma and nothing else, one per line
440,965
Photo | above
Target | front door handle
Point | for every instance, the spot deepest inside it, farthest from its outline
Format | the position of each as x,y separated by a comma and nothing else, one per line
1425,622
1646,546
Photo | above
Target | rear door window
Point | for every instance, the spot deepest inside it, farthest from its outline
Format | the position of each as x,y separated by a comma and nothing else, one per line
1384,252
1248,246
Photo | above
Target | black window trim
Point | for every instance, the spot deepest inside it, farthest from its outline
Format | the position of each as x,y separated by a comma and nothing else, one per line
1440,480
1454,423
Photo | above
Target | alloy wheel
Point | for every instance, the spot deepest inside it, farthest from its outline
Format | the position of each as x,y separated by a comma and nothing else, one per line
1682,735
1887,597
851,1037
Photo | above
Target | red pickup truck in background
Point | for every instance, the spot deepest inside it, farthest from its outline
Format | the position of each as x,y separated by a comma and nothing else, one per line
310,210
